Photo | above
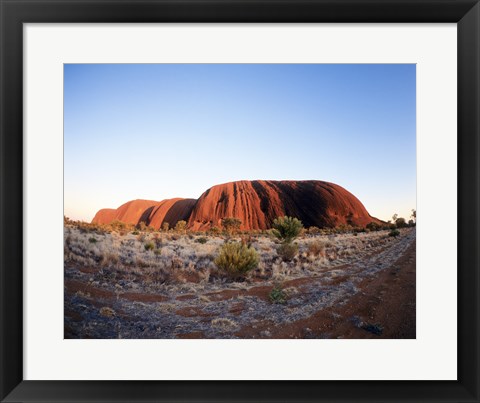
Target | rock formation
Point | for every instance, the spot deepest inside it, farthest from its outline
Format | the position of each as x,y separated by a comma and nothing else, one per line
255,203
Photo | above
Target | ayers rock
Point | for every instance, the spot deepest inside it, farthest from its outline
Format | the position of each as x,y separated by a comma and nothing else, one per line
256,203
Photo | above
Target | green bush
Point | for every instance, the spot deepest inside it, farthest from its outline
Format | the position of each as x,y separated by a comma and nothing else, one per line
149,246
287,251
92,240
401,222
373,226
277,296
286,228
236,259
201,240
394,232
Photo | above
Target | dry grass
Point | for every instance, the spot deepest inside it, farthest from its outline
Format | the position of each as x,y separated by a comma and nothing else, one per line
177,258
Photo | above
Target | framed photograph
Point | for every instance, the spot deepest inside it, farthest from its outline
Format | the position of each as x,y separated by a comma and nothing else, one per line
218,201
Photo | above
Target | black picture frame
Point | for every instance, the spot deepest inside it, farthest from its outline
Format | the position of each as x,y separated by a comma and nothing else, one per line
14,13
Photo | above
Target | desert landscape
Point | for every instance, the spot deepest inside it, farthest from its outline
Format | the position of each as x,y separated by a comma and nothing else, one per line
248,259
239,201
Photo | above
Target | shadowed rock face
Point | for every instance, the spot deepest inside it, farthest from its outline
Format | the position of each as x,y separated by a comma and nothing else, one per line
256,203
171,211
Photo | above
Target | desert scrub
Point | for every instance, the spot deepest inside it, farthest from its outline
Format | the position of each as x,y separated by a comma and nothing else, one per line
109,259
394,233
373,226
202,240
236,259
92,240
277,295
287,251
149,246
107,312
214,231
224,324
231,224
317,248
286,228
181,226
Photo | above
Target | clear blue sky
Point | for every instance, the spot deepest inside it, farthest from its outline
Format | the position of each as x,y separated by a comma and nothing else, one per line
157,131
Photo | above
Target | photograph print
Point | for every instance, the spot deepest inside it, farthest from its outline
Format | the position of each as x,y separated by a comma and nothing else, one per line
239,201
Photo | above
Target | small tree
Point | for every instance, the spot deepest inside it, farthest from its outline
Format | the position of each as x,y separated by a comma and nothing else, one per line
286,228
181,226
394,217
413,216
400,222
231,224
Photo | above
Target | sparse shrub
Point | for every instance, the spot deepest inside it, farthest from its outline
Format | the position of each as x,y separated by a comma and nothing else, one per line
394,233
109,259
201,240
92,240
317,248
141,237
135,232
181,226
142,226
373,226
314,230
231,224
214,231
277,295
158,241
236,259
149,246
117,225
165,226
176,263
287,251
247,240
157,252
287,228
107,312
224,324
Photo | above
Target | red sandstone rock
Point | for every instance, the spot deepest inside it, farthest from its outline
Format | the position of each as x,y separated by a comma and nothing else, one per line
256,203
